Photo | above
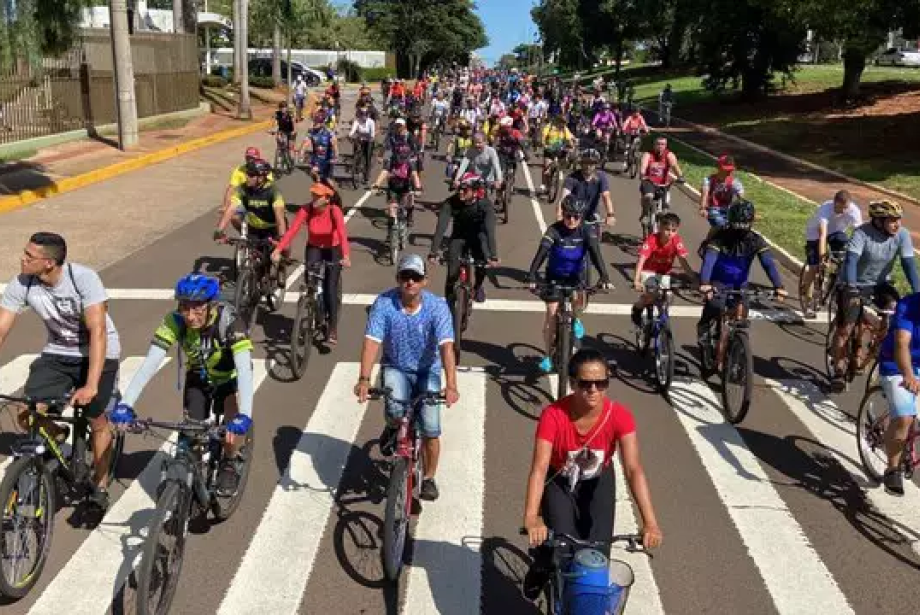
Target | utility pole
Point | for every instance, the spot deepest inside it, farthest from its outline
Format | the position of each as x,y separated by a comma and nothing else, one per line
245,109
124,74
178,17
237,49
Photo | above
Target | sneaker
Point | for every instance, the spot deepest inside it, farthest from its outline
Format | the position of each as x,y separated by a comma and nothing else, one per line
578,328
228,478
535,580
387,441
480,296
100,498
894,482
429,490
332,338
546,365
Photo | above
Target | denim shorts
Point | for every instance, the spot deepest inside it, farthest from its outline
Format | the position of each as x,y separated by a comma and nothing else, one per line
406,385
901,402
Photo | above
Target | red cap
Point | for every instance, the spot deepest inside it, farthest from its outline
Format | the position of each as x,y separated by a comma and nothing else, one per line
253,152
726,163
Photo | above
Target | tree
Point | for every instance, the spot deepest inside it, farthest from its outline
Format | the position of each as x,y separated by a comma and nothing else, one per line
561,30
509,60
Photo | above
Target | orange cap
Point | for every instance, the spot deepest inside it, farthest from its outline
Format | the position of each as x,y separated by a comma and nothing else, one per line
320,189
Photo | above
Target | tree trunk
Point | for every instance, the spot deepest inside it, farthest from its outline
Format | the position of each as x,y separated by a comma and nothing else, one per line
854,63
178,17
245,109
237,49
276,54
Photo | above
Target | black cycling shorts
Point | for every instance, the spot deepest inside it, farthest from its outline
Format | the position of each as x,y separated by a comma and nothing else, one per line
54,376
200,397
849,306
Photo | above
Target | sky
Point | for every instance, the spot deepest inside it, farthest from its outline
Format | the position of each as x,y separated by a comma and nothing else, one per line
507,23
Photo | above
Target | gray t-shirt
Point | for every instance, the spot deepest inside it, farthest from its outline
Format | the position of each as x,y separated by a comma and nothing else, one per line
485,164
875,251
61,309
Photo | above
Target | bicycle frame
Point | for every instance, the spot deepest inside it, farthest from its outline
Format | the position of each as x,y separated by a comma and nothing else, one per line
37,440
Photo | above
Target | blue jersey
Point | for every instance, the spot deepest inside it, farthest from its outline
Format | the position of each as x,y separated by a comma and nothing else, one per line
906,318
321,139
736,250
411,342
567,248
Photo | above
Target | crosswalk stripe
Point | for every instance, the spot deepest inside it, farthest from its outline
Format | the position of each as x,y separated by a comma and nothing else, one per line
276,567
446,572
644,597
836,431
110,553
766,527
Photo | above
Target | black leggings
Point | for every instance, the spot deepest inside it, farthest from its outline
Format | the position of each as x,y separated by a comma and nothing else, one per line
455,249
332,280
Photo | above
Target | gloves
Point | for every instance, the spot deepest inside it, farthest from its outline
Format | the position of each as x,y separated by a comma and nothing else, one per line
240,425
123,414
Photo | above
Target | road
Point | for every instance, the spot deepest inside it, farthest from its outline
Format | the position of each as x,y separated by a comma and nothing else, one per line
772,516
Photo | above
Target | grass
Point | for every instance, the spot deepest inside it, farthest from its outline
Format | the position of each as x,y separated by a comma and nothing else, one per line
22,154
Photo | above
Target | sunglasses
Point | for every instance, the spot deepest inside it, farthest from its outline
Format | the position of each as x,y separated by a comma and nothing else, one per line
600,385
571,216
410,276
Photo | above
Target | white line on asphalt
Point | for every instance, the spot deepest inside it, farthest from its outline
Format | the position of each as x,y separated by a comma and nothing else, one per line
645,598
98,569
274,572
767,528
837,434
446,572
537,211
357,206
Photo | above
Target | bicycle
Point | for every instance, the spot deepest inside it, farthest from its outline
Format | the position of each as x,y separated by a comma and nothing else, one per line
436,132
661,202
398,229
284,160
553,176
187,490
860,353
310,316
585,581
664,113
824,283
406,476
461,309
726,348
360,160
633,156
871,426
29,489
255,279
536,133
506,191
655,331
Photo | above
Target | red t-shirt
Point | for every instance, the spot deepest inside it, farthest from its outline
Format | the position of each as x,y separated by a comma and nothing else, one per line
325,229
660,258
599,444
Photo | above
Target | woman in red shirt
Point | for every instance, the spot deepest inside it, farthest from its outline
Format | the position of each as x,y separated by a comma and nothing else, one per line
571,484
327,242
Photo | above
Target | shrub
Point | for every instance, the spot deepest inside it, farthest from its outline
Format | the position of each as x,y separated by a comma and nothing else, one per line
214,81
378,73
262,82
349,70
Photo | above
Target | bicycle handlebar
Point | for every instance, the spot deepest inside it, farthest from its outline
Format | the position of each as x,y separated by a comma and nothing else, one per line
387,393
32,404
142,425
560,539
566,289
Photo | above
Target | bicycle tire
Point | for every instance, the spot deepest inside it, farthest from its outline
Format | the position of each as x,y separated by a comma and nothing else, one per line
396,519
870,432
117,447
829,340
305,324
633,163
509,193
8,486
172,510
242,297
563,354
803,303
394,241
738,361
459,315
552,190
223,508
664,359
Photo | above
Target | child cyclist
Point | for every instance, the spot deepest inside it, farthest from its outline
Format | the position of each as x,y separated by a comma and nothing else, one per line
656,260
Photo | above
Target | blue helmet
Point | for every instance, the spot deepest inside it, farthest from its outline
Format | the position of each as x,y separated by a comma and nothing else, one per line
197,287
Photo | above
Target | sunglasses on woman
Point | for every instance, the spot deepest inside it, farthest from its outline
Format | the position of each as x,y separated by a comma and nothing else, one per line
600,385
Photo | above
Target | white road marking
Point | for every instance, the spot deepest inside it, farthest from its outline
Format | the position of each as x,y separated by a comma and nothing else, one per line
446,572
535,203
274,572
767,528
357,206
837,433
98,569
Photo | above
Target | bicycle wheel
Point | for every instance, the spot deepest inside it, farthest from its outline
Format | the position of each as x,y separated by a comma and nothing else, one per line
394,240
804,303
117,446
246,289
552,189
29,503
563,353
222,508
829,337
164,548
737,378
633,162
509,194
458,310
664,358
396,519
871,423
302,336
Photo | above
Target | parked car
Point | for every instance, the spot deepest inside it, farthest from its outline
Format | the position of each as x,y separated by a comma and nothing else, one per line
262,67
899,57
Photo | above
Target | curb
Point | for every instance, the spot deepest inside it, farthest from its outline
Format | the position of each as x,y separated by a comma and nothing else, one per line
68,184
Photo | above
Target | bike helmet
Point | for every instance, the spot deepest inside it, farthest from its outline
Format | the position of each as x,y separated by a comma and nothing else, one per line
197,287
258,168
590,155
252,153
741,214
573,206
471,180
463,124
885,209
506,121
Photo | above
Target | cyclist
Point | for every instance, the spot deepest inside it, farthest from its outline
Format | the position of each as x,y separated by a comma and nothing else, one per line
399,172
473,230
439,111
633,128
570,487
363,132
727,262
870,258
83,347
324,149
418,129
557,138
565,245
656,258
458,146
300,96
472,113
481,159
590,186
509,143
827,227
655,171
899,368
327,243
665,102
284,124
414,327
718,191
238,177
218,370
604,124
260,205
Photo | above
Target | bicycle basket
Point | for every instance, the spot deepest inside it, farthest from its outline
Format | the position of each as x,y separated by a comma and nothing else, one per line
596,585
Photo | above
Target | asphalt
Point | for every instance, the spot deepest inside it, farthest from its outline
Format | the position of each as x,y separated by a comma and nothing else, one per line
763,518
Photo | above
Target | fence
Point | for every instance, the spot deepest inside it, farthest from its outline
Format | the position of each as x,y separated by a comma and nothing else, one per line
77,89
311,57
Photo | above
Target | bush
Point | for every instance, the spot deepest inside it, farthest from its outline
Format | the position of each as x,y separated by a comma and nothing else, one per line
214,81
376,74
262,82
349,70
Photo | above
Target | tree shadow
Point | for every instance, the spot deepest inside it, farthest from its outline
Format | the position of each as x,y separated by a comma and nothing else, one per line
633,369
787,368
216,266
503,568
629,244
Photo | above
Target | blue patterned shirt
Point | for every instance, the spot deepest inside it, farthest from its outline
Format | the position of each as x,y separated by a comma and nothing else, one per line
411,342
